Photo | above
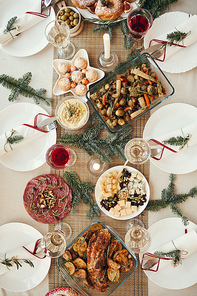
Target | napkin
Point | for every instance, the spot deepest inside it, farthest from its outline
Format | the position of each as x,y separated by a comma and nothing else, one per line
186,243
20,254
28,133
189,25
24,22
190,130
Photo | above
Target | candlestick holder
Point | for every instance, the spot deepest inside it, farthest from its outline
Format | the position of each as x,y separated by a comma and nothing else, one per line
109,64
95,166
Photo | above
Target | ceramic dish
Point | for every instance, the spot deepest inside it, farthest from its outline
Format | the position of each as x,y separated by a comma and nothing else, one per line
98,194
78,283
30,41
75,28
94,94
164,120
81,53
183,60
13,235
62,291
182,276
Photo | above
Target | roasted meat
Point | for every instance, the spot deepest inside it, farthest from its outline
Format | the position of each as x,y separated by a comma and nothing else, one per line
97,259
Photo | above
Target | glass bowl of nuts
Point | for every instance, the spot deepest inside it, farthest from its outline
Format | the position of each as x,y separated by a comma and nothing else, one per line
71,16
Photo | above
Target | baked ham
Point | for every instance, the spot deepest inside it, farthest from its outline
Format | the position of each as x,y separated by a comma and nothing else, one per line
97,259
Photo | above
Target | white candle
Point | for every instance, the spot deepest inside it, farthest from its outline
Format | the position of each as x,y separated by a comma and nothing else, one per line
96,166
106,40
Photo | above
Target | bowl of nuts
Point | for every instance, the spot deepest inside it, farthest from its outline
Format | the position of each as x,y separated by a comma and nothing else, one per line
71,16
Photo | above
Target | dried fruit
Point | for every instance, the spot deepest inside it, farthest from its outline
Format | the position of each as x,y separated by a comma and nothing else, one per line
127,6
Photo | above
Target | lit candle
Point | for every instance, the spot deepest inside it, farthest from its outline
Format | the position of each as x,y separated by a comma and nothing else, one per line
96,166
106,40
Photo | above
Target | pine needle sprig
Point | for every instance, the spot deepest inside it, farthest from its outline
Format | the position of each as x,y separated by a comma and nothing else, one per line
128,40
10,262
178,141
175,255
156,7
12,139
10,26
176,37
169,198
81,192
20,86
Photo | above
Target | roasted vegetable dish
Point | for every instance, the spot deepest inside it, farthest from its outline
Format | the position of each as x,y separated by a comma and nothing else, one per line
127,96
98,258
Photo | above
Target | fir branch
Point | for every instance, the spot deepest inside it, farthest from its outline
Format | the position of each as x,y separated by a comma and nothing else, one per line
175,255
128,40
178,141
156,7
176,37
81,192
10,262
10,26
12,140
20,86
176,211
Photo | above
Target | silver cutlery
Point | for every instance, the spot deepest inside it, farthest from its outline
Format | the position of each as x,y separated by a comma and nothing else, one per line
156,51
47,3
48,124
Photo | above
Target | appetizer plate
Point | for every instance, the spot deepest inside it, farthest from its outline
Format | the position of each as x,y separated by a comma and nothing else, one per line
81,53
30,41
13,235
164,120
179,277
186,58
98,193
62,291
28,156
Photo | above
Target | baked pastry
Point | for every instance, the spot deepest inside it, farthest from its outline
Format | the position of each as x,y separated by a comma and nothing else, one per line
81,90
91,75
64,84
77,76
80,63
83,3
63,68
108,13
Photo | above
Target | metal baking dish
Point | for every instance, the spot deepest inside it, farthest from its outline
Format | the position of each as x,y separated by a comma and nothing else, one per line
78,284
142,59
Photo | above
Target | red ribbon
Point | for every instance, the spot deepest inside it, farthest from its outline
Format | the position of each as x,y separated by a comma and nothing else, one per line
164,147
35,249
35,123
40,14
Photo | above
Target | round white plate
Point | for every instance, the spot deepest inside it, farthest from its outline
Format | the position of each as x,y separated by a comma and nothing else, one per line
30,155
164,120
98,193
81,53
87,14
30,41
179,277
185,59
12,236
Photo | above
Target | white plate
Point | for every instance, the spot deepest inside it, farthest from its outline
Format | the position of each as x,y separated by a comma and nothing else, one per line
30,41
87,14
12,236
61,291
81,53
164,120
183,60
28,156
179,277
98,193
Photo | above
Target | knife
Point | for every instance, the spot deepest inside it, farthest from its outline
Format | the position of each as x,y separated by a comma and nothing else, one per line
152,48
48,3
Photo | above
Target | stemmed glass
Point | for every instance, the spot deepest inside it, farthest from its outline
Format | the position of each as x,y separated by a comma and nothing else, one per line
58,34
139,21
53,243
137,238
137,151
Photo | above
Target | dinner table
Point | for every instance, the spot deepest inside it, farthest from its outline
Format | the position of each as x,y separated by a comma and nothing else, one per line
13,182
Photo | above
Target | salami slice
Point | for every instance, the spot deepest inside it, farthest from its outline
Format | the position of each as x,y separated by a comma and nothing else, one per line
47,198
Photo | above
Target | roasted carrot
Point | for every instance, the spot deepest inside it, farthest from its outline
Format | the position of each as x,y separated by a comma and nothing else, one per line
128,108
117,105
103,100
146,99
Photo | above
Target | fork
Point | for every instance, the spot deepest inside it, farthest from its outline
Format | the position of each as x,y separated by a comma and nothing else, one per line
50,126
157,53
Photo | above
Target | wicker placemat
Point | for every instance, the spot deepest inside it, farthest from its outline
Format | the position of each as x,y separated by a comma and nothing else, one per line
137,283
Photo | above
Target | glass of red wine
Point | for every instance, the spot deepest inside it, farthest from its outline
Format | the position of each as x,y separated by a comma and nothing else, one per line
139,21
59,156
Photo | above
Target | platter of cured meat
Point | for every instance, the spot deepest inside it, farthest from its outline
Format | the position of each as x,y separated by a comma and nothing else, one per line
47,198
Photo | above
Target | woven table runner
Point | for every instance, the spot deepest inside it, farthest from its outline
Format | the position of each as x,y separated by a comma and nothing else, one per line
137,283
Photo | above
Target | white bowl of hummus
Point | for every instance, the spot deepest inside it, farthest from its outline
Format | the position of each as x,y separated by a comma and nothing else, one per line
72,113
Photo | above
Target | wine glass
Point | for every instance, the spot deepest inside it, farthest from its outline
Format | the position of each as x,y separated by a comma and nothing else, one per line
58,34
139,21
53,243
137,151
137,238
59,156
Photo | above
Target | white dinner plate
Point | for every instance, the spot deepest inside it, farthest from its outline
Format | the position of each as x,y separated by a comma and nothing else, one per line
30,41
164,120
98,193
83,54
30,155
12,236
185,59
179,277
